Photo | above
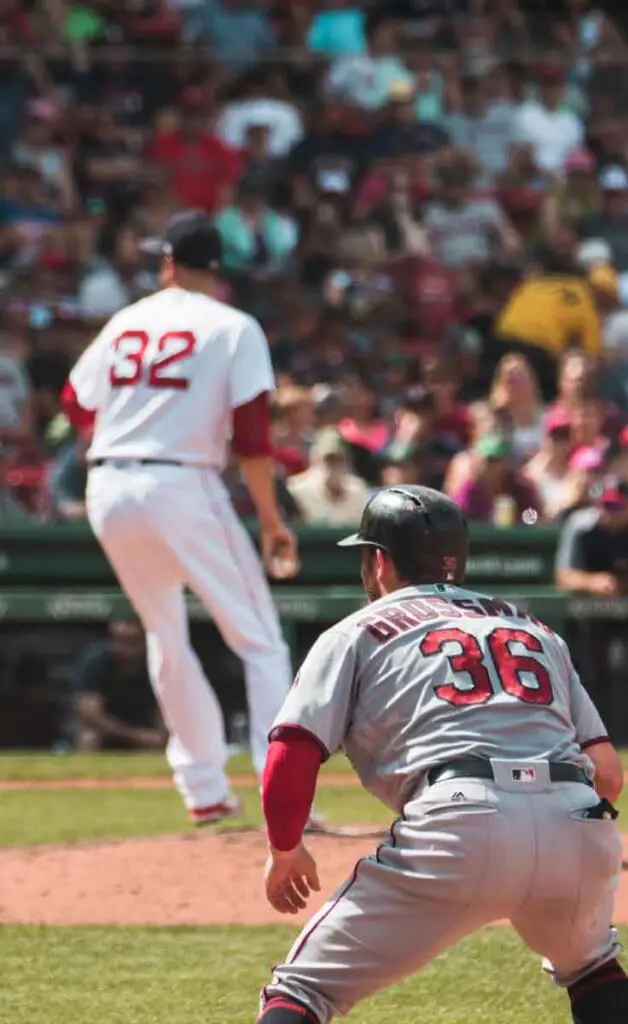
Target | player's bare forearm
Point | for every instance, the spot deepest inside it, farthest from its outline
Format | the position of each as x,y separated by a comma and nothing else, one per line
609,772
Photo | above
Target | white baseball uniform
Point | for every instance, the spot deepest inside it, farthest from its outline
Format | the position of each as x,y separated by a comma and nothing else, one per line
163,377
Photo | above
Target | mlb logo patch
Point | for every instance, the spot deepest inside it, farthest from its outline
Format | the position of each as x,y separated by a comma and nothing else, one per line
524,775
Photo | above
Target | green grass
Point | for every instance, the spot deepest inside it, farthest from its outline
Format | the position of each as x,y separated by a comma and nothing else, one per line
70,815
39,767
213,976
75,815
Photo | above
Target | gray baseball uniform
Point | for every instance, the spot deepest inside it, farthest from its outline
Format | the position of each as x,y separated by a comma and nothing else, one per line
423,677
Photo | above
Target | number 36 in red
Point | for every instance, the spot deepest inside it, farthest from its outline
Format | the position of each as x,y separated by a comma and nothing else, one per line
129,365
467,658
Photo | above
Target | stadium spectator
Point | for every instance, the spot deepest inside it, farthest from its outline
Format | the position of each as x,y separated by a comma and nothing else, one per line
593,552
483,125
201,167
495,490
548,468
328,492
549,312
572,199
118,278
367,78
263,101
516,388
293,427
337,29
461,228
362,428
239,31
255,237
544,122
610,221
115,707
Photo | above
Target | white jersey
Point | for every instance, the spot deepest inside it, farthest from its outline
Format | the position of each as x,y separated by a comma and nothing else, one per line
164,375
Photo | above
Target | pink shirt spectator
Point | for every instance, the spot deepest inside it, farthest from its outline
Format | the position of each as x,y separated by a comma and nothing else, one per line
477,501
374,438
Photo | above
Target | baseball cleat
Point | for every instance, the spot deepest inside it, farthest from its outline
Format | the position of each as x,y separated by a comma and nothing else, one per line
227,808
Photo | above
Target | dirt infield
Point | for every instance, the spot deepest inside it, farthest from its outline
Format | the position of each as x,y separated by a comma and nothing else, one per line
167,880
170,880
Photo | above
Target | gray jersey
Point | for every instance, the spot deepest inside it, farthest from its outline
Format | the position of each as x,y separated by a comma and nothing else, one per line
433,673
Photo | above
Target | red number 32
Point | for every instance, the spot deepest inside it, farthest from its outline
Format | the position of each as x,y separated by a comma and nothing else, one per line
470,660
128,362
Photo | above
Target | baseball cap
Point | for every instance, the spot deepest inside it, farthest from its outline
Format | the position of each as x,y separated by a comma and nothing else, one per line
613,493
557,419
190,239
594,250
580,160
328,443
613,179
401,91
493,446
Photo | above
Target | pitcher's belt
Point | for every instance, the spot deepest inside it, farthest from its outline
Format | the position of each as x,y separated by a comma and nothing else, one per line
474,768
95,463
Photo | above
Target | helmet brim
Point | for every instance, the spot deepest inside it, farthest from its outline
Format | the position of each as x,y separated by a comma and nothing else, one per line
356,541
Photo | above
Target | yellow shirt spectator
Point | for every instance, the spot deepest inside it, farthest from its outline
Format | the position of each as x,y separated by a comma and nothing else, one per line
555,312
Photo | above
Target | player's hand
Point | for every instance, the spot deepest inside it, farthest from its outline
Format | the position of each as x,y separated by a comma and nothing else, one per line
279,551
289,878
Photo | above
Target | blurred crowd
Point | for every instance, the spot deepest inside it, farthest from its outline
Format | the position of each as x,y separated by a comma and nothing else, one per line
424,202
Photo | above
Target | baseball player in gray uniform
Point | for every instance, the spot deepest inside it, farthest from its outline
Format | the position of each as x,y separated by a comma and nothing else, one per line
466,717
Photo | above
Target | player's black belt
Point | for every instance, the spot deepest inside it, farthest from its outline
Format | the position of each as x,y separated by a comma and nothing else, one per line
136,462
474,768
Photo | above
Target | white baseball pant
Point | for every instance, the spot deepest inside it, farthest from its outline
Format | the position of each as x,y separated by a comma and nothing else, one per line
164,528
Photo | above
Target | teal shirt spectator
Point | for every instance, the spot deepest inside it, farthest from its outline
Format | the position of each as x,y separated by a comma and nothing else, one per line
338,32
279,236
241,35
430,100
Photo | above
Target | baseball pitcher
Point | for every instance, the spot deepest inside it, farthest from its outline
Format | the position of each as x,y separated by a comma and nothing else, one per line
465,716
167,383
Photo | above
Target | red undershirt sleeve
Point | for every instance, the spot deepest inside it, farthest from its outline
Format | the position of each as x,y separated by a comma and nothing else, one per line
80,418
289,784
251,428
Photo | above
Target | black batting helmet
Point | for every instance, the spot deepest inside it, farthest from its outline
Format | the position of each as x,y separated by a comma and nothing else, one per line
422,530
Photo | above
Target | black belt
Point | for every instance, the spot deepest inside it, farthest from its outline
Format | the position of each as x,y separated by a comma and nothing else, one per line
141,462
474,768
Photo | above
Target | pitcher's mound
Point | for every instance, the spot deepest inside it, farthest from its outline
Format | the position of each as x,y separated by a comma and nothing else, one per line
170,880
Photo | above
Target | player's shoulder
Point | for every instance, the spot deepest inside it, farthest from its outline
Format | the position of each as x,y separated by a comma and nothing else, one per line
216,312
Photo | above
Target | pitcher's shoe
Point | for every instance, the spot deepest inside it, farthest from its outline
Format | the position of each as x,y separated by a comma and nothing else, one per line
227,808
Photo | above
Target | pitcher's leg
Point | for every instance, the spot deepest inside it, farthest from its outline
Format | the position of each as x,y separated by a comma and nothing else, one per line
223,569
197,750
